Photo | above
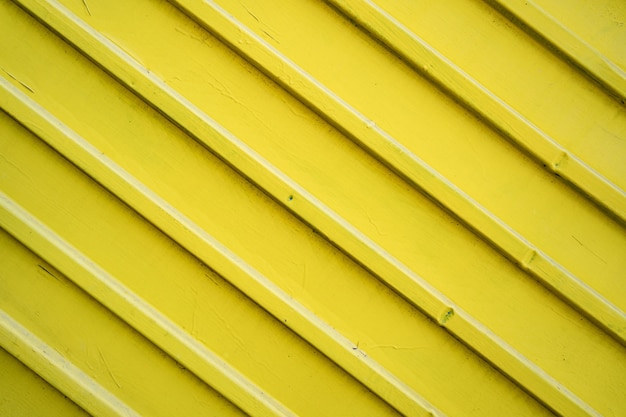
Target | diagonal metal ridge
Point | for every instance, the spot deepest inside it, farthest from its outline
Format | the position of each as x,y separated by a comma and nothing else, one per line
58,371
407,165
136,312
539,23
305,206
206,248
424,59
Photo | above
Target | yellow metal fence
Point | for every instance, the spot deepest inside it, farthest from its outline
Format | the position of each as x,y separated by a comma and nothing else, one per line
339,208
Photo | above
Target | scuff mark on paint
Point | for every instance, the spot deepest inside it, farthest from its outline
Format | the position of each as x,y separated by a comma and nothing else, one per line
589,250
270,36
250,13
16,79
261,23
87,7
445,318
48,272
395,347
108,368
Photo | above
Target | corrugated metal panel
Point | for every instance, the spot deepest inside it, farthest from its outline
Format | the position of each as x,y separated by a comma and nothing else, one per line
313,208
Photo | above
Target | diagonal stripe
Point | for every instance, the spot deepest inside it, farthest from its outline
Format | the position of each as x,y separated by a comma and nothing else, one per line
136,312
58,371
305,206
222,260
584,56
505,119
385,148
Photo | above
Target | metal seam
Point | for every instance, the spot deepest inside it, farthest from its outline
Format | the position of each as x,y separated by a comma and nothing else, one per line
205,247
58,371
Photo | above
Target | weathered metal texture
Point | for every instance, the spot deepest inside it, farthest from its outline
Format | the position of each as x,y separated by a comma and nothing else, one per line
313,208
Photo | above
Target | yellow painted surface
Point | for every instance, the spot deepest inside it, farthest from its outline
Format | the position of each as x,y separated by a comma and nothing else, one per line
310,208
24,393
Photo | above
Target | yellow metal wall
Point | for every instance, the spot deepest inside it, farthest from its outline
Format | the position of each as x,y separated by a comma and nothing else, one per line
339,208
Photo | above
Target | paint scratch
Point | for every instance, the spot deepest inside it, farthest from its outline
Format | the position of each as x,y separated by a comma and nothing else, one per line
48,272
263,24
589,250
249,12
106,365
373,223
87,7
394,347
270,36
613,135
16,79
204,37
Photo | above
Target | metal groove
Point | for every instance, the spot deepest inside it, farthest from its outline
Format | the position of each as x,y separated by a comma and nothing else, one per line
502,117
200,244
522,371
58,371
415,171
590,61
136,312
